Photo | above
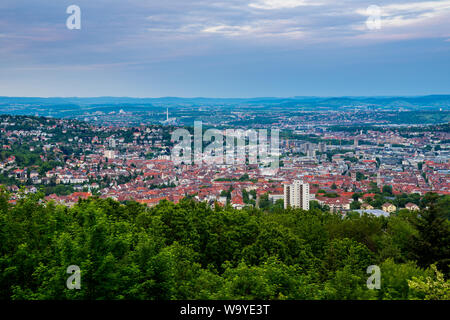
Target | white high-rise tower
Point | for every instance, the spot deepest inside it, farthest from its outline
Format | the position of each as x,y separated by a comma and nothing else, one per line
296,195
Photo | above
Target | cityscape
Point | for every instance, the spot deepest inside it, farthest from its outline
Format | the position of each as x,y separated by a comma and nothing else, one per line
212,159
346,167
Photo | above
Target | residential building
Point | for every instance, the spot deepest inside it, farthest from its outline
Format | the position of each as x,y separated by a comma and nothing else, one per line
389,207
296,195
412,206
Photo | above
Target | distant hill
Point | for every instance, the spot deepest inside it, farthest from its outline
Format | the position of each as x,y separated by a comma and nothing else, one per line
72,106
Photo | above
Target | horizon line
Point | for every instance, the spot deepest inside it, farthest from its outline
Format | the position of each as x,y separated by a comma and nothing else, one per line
223,98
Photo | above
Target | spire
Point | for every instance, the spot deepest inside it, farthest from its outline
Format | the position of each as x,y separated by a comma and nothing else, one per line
167,114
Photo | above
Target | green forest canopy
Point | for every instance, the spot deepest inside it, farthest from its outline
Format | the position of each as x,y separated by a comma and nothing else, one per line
191,251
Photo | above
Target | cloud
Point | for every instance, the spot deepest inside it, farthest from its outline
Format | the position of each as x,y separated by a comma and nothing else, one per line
281,4
405,21
229,30
138,30
435,6
263,28
407,14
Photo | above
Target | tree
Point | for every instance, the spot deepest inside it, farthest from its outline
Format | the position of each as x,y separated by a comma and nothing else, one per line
443,205
432,243
355,205
346,285
347,252
189,251
430,288
387,190
360,176
396,241
373,188
270,280
378,162
264,202
245,196
420,165
395,277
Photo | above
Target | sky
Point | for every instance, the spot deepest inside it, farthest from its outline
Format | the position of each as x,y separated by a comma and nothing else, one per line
225,48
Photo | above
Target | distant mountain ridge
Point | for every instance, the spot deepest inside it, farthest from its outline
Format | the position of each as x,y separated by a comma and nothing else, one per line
411,100
75,106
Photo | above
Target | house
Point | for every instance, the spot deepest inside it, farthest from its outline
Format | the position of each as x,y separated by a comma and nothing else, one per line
366,206
389,207
412,206
20,173
335,204
152,202
34,174
83,195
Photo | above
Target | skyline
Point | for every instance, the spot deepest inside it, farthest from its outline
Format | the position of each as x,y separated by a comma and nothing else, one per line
255,48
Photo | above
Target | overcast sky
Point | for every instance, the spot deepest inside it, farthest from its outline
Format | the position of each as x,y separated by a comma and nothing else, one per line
228,48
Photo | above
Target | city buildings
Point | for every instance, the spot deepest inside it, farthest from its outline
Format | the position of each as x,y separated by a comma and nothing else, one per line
63,156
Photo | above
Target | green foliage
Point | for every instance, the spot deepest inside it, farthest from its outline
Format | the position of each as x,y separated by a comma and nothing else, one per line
191,251
360,176
264,202
431,287
395,277
387,190
373,188
396,242
355,205
432,243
